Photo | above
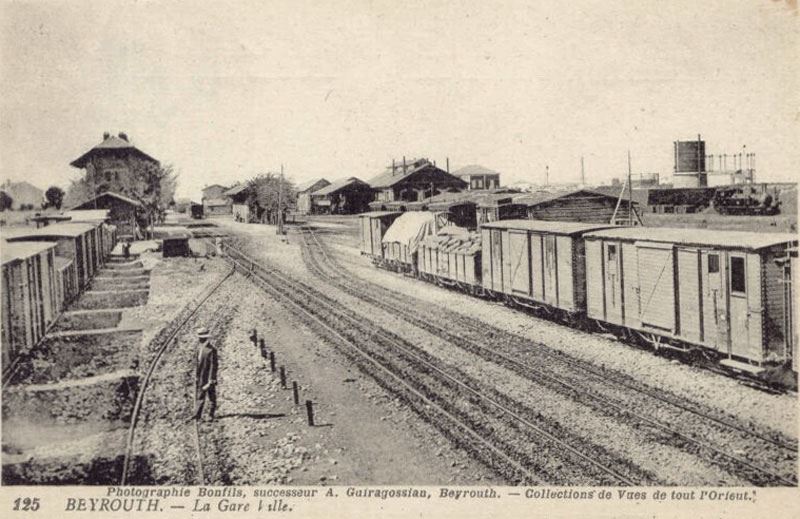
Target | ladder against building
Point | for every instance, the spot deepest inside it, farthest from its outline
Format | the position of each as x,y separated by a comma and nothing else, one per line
621,216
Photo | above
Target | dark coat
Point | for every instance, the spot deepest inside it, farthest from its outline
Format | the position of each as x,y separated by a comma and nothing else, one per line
207,367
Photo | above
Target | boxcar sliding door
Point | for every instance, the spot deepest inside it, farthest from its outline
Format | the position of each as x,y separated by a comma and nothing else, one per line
497,260
656,286
550,270
519,249
612,269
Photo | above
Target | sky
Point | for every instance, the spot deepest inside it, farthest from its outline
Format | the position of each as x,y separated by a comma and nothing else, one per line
226,90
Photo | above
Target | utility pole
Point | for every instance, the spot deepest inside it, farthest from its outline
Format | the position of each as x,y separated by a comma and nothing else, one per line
280,203
583,174
546,175
630,192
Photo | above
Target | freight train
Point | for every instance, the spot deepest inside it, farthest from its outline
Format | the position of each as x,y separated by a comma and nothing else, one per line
43,270
720,296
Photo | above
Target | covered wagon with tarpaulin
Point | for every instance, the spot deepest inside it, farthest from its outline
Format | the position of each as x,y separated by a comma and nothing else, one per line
402,239
717,292
452,257
373,226
537,264
174,240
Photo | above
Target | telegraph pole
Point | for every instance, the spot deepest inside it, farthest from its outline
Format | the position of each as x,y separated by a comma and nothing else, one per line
630,192
583,174
280,203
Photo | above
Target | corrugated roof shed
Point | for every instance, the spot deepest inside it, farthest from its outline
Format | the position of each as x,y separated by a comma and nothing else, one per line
698,237
547,226
18,251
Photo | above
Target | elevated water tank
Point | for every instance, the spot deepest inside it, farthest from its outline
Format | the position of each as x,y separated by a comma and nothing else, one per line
690,156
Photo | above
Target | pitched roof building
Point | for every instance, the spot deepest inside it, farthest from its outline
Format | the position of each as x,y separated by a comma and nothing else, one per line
347,196
109,164
412,181
478,177
581,205
23,193
304,191
123,212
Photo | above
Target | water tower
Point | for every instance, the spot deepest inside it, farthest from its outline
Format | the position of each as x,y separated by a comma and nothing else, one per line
690,164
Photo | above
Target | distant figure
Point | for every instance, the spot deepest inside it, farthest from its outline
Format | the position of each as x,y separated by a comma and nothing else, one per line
206,375
126,249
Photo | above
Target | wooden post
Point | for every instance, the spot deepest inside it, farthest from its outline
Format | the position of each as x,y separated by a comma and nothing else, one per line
295,392
272,361
310,412
283,377
630,191
263,347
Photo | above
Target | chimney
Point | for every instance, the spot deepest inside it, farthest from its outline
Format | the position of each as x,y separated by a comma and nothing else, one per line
106,135
393,167
123,136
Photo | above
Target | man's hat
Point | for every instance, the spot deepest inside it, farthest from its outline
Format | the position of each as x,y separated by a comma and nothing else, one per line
203,333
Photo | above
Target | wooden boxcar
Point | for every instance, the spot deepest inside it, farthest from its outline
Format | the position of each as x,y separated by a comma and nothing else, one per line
720,290
30,299
77,241
66,277
373,226
789,265
536,263
452,259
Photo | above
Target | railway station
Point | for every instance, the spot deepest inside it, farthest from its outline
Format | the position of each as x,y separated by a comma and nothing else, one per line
553,295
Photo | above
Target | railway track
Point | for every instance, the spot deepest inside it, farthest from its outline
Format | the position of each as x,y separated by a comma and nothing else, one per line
163,341
671,421
519,444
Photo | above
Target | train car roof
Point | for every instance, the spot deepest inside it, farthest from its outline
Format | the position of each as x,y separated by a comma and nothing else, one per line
548,227
18,251
698,237
70,230
378,214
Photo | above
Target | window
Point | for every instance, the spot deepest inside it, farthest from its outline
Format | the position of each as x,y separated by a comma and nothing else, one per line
737,275
713,263
108,176
612,252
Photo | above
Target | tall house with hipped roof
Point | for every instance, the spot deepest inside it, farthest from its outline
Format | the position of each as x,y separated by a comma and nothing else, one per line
109,164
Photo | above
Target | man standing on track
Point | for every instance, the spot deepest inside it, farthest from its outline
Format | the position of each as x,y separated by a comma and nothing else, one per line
206,375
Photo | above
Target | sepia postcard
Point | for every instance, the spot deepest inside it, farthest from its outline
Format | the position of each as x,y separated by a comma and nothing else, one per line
367,258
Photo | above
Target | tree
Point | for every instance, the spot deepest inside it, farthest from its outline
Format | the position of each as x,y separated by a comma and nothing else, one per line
264,190
153,186
5,201
78,192
54,196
